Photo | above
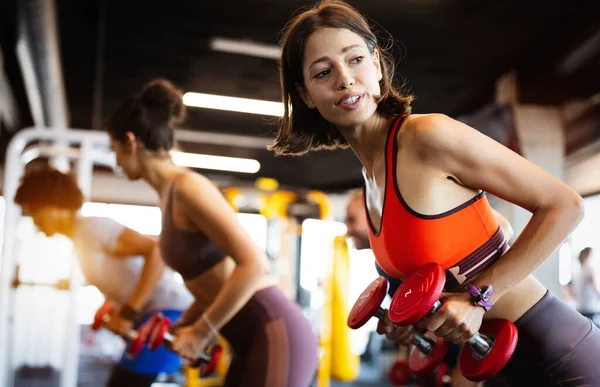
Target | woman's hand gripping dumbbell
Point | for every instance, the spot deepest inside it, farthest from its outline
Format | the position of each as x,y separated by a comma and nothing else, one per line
432,352
484,354
137,338
206,360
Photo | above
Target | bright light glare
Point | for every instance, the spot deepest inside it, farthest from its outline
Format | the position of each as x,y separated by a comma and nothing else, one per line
143,219
242,47
564,264
234,104
220,163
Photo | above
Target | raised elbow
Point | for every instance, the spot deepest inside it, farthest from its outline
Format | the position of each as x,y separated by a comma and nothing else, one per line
574,206
579,207
263,266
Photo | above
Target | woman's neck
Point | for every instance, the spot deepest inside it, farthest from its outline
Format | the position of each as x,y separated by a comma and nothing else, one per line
368,140
159,172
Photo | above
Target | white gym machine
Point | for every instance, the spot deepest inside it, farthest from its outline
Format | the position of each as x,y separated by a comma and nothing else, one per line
87,148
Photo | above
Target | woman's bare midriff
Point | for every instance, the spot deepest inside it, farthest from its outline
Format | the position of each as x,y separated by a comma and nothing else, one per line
207,286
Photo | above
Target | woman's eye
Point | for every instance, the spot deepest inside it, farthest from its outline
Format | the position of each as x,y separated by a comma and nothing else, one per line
321,74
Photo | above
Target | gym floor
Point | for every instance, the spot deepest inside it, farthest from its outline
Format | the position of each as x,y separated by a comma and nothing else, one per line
95,367
94,371
370,376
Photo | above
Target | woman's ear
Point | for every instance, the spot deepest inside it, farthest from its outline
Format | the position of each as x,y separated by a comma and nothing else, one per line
305,96
377,63
130,142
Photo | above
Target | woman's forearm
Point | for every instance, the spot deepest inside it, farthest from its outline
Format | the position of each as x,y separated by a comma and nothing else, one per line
546,231
236,292
151,274
191,314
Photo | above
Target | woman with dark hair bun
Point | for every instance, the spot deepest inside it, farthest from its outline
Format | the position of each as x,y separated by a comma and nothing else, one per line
272,342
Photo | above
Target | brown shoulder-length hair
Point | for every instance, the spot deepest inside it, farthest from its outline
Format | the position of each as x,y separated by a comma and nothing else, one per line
303,129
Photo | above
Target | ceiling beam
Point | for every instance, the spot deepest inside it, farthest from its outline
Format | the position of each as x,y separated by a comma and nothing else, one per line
9,112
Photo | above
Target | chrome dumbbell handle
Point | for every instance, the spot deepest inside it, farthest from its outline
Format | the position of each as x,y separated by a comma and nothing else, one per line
424,344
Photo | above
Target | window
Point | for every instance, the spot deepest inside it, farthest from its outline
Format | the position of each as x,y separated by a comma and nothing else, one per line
587,234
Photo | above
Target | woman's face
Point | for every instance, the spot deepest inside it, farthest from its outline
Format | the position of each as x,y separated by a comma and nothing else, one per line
51,220
126,155
341,77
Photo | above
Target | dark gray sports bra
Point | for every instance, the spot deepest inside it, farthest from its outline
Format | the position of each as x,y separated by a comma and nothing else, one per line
190,253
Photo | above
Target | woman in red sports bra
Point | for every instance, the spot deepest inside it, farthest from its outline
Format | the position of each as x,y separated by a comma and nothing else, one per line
426,176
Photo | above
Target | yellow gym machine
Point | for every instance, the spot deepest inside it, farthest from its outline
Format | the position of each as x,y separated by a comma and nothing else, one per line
336,359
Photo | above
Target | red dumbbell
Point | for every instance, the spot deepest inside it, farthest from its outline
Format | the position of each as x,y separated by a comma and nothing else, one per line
137,338
485,354
399,373
439,378
430,352
442,378
159,334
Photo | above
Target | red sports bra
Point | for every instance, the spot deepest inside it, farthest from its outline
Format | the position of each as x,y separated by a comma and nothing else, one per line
464,240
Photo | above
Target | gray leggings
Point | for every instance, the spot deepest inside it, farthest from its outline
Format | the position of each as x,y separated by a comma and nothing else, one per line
557,347
273,344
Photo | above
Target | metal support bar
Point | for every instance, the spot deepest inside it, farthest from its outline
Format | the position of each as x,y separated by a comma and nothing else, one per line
9,112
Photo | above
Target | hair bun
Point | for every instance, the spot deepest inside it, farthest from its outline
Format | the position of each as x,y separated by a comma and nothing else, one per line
163,101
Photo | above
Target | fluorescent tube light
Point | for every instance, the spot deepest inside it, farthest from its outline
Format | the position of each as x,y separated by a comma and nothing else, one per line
245,47
220,163
234,104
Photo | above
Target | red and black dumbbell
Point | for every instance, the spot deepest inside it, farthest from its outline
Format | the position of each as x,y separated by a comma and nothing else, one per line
440,378
159,334
137,338
399,373
432,351
485,354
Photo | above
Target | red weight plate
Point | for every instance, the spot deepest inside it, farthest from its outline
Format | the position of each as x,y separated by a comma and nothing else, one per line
153,322
158,333
136,346
423,364
105,309
442,377
367,304
399,374
505,337
417,294
210,367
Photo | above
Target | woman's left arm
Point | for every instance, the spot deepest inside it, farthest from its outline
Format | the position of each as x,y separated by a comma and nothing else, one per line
478,161
204,205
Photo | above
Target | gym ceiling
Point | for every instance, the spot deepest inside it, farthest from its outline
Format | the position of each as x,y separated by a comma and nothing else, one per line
452,54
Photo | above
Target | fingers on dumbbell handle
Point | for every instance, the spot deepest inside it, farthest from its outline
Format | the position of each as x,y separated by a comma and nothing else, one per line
481,344
168,337
380,313
424,344
132,335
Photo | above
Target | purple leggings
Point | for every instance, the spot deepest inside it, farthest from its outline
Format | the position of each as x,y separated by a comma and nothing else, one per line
557,347
272,342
